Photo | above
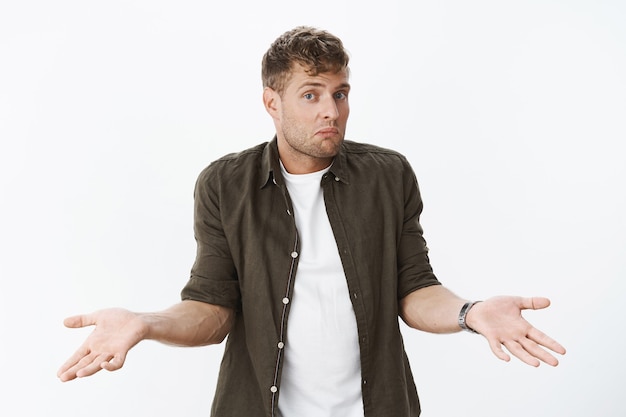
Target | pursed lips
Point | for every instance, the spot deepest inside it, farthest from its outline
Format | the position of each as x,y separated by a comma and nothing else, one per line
327,131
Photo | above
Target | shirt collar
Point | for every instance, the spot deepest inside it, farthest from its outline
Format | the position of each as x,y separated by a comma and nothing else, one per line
270,165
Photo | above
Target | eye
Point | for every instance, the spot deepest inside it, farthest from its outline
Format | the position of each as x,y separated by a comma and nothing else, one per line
309,96
340,95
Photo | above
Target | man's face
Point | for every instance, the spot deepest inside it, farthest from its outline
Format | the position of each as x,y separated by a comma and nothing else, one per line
310,118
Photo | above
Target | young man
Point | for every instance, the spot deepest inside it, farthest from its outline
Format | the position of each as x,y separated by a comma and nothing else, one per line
309,249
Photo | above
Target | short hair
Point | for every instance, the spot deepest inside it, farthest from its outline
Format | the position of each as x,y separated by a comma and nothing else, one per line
317,50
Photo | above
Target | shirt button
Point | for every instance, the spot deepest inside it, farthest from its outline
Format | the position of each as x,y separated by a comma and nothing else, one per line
273,388
336,178
294,254
285,300
281,345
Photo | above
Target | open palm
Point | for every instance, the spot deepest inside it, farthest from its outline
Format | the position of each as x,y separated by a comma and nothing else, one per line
116,332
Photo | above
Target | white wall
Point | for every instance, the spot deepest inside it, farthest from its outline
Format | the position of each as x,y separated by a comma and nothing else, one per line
512,113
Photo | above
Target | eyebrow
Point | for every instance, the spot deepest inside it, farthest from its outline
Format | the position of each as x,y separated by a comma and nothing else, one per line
342,86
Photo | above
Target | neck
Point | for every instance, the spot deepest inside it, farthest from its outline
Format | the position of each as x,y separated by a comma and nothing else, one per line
305,165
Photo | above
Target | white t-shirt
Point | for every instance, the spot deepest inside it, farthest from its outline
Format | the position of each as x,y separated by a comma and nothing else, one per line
321,374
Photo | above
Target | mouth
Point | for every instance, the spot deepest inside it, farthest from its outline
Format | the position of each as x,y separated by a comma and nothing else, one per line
328,131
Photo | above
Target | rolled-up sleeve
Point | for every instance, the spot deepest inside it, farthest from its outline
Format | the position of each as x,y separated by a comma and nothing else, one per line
414,268
213,275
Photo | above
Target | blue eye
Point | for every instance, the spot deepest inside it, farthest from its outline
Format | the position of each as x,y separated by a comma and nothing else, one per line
308,96
341,95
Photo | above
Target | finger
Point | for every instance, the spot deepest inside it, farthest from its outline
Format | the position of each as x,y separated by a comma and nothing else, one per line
72,371
66,375
546,341
76,370
496,348
522,354
71,362
81,320
94,365
114,364
536,351
535,303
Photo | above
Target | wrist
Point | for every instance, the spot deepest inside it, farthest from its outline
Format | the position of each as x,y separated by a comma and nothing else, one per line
462,320
148,328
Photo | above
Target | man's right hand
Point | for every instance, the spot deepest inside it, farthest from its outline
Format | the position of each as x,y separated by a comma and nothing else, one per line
116,332
188,323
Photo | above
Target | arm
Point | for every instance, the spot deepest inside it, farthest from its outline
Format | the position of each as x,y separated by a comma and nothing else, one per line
188,323
499,319
432,309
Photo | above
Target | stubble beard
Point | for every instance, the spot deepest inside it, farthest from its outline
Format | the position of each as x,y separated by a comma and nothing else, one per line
307,144
313,147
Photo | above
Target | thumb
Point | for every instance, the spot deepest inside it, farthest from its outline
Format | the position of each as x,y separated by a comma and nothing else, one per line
81,320
535,303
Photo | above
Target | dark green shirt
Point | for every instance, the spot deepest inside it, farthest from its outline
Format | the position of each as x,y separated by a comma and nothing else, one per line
247,259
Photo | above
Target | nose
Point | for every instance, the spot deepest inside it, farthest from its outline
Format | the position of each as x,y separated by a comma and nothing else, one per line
329,110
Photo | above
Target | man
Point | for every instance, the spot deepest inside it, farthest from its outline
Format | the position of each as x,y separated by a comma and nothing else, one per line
309,249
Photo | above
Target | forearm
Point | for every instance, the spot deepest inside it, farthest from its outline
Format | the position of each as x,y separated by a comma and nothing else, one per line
433,309
189,323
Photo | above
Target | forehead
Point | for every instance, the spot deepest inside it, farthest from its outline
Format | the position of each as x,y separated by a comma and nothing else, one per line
300,77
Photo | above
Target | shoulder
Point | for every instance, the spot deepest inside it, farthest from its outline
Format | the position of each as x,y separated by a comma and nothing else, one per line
359,152
235,164
242,157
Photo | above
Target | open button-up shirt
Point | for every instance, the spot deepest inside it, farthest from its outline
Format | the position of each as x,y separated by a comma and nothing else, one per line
247,259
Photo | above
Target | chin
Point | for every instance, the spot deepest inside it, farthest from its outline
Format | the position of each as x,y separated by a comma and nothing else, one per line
332,144
331,148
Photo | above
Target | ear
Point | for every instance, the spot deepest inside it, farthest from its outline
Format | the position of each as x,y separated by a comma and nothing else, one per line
271,101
